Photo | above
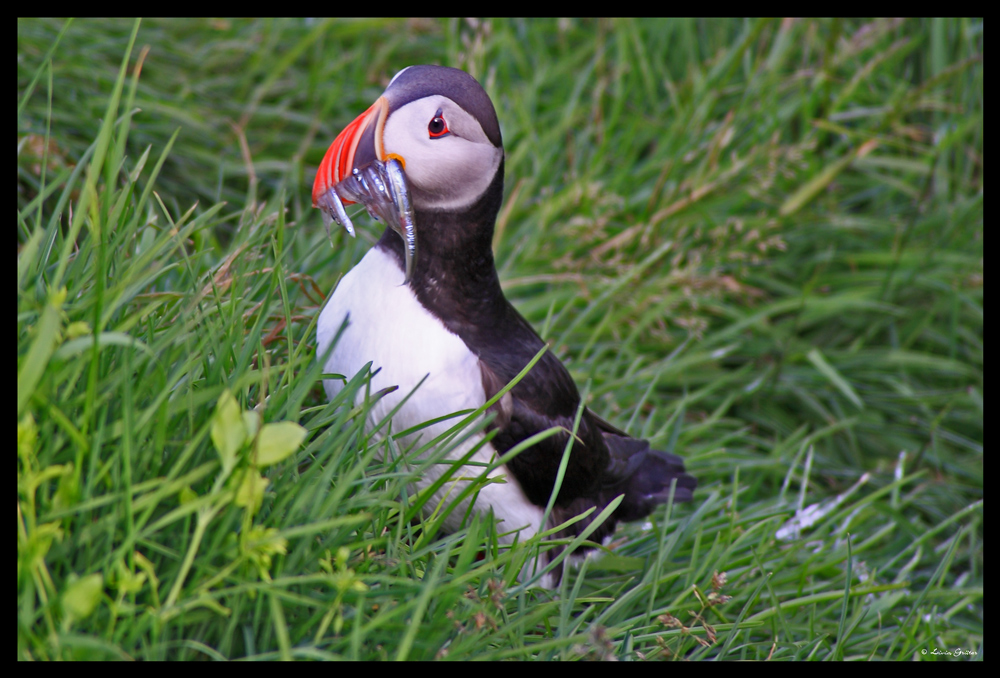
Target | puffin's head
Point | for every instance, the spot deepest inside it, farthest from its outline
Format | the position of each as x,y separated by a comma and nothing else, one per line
439,123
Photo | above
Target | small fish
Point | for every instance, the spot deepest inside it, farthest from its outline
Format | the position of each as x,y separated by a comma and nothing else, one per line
381,187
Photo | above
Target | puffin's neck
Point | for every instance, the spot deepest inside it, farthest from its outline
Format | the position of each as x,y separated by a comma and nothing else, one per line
455,277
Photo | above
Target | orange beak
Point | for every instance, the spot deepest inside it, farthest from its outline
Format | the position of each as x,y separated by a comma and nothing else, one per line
338,163
378,180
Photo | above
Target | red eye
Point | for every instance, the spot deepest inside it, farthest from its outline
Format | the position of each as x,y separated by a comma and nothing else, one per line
438,127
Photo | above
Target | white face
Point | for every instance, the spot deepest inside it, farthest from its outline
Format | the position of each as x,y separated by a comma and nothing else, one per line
448,171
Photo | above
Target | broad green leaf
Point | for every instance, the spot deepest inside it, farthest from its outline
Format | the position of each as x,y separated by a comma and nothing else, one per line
77,329
278,441
228,431
251,420
82,596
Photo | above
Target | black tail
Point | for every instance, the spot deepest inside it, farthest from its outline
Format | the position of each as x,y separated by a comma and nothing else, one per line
649,486
645,476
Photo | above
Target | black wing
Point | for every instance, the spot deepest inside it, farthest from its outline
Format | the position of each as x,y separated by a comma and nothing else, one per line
604,462
545,397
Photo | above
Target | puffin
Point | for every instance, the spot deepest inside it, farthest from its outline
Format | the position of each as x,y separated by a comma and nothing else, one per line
430,317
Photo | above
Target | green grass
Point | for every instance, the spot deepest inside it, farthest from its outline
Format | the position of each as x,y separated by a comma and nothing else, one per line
760,243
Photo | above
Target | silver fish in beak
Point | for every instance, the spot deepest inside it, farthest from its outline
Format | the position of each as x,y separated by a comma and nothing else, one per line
381,187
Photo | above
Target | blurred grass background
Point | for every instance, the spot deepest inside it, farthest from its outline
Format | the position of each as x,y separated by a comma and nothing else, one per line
758,241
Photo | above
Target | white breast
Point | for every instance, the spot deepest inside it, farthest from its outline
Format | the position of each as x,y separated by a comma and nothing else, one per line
388,326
